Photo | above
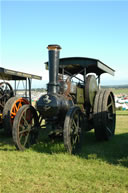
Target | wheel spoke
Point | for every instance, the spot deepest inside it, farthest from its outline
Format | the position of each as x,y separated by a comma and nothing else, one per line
40,120
111,104
74,139
74,123
20,137
15,107
24,131
110,132
26,139
12,113
31,128
78,121
21,128
19,105
25,121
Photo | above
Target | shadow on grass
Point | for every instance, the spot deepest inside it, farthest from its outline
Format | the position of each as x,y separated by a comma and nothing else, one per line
50,145
6,142
114,151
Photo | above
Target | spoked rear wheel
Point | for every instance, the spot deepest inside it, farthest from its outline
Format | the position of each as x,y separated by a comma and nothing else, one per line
25,127
104,115
11,108
73,129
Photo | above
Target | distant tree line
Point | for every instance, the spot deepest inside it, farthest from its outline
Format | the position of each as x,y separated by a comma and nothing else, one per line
115,86
35,89
107,86
39,89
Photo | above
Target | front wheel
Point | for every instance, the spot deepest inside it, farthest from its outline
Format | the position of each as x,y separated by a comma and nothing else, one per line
25,127
73,129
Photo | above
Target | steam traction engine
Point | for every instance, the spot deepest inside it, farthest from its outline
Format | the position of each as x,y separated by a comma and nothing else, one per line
10,102
74,103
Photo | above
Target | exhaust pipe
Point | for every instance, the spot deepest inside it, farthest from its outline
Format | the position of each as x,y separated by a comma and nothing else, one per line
53,65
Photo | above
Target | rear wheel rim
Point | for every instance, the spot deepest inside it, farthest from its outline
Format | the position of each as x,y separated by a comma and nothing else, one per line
110,116
104,115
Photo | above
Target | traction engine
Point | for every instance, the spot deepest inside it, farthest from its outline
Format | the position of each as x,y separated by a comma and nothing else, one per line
69,108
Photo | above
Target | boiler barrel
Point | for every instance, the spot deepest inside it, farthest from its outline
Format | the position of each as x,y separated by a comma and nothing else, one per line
53,105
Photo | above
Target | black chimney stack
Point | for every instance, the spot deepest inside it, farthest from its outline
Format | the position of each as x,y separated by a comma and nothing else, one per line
53,65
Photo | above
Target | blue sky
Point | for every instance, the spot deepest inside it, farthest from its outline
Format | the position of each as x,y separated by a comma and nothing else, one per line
96,29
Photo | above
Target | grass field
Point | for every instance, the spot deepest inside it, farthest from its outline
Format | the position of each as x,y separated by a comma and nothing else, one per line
102,167
120,91
123,113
